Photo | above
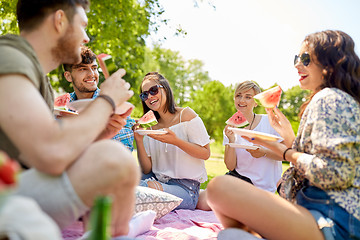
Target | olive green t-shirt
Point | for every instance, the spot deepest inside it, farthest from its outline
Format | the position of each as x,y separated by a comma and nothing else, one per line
18,57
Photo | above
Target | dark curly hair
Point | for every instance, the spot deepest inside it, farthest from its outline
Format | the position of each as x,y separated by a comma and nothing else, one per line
170,101
87,57
334,50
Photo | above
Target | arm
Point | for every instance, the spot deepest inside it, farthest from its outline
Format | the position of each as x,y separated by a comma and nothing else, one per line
143,158
230,158
193,149
51,146
332,144
282,125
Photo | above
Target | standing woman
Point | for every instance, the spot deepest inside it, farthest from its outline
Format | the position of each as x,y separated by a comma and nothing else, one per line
172,162
325,154
260,167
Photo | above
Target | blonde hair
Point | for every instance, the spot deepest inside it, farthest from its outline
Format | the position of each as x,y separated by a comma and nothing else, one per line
247,85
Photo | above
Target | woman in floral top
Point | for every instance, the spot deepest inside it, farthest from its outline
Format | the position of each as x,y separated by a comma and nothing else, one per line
325,201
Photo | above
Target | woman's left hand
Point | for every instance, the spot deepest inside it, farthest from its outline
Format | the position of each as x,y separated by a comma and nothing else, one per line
169,137
276,147
258,153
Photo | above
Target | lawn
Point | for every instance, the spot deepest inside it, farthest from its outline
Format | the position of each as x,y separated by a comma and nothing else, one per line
215,165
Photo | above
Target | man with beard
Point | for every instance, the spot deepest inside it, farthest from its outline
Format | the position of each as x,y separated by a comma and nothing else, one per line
65,157
85,78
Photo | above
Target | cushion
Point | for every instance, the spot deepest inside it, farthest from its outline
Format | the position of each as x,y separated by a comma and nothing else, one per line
151,199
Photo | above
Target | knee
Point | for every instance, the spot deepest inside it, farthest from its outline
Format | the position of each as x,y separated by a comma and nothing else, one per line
215,187
118,162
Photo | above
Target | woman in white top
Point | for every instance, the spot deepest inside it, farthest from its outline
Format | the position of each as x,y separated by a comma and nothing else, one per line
172,162
260,167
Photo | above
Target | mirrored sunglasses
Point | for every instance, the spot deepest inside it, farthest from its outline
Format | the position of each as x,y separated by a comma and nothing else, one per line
304,58
153,91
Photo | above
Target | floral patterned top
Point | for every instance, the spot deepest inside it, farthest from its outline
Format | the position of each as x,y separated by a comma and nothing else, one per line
329,135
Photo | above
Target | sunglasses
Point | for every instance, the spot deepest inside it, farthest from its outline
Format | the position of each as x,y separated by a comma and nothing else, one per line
304,58
153,91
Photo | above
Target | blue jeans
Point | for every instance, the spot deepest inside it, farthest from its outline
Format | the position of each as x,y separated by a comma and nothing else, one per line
345,226
186,189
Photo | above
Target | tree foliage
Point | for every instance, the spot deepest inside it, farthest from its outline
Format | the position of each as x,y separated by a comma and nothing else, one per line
214,104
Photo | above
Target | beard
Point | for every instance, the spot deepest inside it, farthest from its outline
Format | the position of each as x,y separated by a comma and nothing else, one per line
82,88
67,50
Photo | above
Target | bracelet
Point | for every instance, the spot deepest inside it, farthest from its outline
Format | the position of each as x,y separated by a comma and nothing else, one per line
109,100
285,153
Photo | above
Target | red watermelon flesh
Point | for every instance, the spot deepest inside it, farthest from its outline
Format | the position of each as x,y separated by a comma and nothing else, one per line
237,120
269,98
107,65
148,120
61,101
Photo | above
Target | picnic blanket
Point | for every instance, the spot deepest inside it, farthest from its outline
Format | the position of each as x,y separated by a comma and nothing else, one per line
179,224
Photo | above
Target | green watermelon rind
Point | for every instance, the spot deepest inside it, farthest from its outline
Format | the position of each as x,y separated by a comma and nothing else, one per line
151,122
244,124
148,125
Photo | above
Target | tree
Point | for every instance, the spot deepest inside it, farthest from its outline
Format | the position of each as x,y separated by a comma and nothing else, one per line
290,104
214,104
185,77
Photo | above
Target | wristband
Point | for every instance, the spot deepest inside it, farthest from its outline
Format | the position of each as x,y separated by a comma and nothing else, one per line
109,100
285,153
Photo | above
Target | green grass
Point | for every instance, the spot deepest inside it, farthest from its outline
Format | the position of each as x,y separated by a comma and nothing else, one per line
215,165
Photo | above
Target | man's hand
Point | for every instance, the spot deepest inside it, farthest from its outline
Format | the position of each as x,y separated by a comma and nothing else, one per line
115,124
117,88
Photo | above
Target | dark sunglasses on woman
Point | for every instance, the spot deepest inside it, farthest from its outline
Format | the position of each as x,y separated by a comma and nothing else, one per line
153,91
304,58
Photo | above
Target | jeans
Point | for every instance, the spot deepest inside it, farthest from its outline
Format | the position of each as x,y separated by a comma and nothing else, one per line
186,189
344,225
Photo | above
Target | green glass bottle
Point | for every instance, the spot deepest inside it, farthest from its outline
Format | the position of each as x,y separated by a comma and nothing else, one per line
100,219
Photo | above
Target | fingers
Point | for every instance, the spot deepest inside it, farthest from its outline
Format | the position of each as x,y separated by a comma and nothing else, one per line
119,73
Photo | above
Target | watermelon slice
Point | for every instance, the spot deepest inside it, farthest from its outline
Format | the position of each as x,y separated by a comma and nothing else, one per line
269,98
61,101
148,120
237,120
107,65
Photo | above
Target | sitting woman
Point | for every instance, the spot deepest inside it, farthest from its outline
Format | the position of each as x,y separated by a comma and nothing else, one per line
172,162
324,201
260,167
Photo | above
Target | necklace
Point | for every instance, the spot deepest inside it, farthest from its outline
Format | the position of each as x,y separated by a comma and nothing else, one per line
252,122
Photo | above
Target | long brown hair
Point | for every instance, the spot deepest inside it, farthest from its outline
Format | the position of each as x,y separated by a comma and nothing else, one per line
170,101
334,50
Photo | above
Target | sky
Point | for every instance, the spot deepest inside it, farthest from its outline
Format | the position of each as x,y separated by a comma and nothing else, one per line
256,40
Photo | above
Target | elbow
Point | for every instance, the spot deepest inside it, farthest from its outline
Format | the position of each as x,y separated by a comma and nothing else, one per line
207,155
51,162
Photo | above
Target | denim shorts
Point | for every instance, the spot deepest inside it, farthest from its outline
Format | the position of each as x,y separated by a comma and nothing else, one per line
344,225
186,189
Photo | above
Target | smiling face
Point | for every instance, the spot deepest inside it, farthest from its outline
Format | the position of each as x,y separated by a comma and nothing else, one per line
311,75
84,77
244,100
157,101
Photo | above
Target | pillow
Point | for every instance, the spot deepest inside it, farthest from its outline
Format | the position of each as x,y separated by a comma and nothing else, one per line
151,199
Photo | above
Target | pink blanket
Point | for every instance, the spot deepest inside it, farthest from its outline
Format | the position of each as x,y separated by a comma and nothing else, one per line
179,224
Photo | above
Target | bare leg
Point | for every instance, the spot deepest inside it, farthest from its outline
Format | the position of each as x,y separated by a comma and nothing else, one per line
236,202
202,202
108,168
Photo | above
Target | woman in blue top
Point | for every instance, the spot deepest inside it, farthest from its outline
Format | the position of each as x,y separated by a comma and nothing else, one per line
325,154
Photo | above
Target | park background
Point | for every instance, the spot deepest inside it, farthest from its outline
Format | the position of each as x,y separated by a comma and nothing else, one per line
205,47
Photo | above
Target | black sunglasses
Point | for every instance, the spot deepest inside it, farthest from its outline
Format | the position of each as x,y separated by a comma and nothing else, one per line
153,91
304,58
